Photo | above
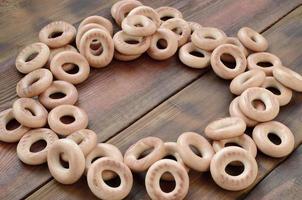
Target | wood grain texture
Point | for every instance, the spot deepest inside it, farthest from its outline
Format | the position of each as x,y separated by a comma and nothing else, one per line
284,182
192,109
117,96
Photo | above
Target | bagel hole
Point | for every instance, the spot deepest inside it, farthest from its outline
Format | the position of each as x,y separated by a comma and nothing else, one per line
228,64
31,56
258,104
167,186
210,37
195,150
57,95
254,38
162,44
34,81
73,70
138,25
63,163
67,119
165,18
197,54
114,182
177,31
38,146
12,125
55,34
274,90
170,157
98,51
232,144
234,170
131,41
145,153
274,138
264,64
29,111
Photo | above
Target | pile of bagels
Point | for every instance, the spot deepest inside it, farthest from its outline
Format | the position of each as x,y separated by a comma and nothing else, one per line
62,59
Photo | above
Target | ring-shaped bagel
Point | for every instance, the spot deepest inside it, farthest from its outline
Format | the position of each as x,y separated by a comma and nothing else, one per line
265,145
220,68
64,129
24,146
34,83
66,34
226,156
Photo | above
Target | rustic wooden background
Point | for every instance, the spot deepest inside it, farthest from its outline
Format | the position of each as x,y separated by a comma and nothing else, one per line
129,101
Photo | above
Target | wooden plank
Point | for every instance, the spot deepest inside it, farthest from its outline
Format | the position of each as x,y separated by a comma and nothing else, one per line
192,109
284,182
124,92
22,20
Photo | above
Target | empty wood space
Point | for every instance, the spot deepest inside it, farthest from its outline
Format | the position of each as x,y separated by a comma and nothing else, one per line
127,101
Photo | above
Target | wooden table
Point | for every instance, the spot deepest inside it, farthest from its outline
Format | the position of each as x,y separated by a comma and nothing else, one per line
130,100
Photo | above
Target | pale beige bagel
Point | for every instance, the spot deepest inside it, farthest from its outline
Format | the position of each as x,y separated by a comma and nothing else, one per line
266,97
248,79
30,113
155,173
97,184
146,26
66,35
122,57
122,45
254,59
266,146
165,13
121,9
208,38
225,128
97,20
226,156
171,149
189,59
252,40
244,141
24,61
64,129
194,26
103,150
182,28
35,158
131,156
76,161
34,83
10,135
220,68
148,12
235,111
236,42
289,78
106,54
67,89
53,52
171,44
85,138
86,28
191,159
285,93
57,63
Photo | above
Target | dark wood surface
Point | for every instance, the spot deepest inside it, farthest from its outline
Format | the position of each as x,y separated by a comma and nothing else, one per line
284,182
123,99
